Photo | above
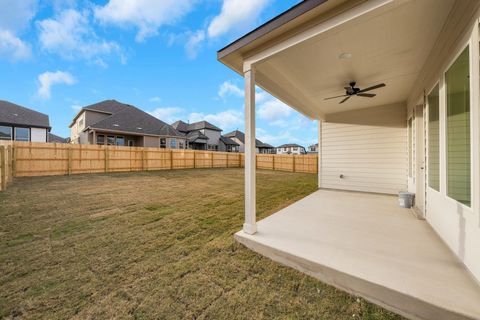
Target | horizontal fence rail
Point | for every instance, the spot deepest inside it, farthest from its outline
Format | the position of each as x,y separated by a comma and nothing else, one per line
28,159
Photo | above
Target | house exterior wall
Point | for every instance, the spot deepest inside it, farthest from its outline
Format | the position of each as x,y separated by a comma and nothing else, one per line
213,136
458,225
85,119
241,147
151,142
290,150
38,135
365,150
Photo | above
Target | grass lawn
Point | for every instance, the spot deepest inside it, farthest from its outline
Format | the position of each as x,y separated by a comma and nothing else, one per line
153,245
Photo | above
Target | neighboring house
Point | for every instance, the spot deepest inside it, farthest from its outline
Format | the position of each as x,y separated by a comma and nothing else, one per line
114,123
54,138
313,148
22,124
201,135
260,147
410,122
228,145
290,148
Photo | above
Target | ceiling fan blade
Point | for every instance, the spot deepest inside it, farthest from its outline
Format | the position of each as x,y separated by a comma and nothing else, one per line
345,99
336,97
367,95
372,87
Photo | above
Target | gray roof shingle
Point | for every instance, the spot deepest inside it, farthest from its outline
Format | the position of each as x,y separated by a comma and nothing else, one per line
289,145
54,138
127,118
11,113
192,136
228,141
241,137
187,127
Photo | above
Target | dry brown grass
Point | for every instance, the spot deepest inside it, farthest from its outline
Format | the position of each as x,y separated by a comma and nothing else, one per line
153,245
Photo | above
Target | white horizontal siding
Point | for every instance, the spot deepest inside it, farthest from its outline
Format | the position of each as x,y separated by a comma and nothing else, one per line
368,147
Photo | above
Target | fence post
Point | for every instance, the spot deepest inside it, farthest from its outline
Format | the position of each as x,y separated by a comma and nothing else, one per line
194,159
293,163
69,153
3,182
171,159
14,161
9,163
273,162
106,159
211,161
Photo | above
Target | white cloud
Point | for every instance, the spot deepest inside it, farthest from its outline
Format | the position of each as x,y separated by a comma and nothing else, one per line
76,107
15,15
193,44
273,110
229,88
147,15
155,99
226,120
13,47
71,36
168,114
236,14
280,138
48,79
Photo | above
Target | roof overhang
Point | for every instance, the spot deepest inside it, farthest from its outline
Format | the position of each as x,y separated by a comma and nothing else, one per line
25,125
299,57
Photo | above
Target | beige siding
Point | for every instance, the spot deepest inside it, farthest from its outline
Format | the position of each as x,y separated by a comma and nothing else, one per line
368,147
151,142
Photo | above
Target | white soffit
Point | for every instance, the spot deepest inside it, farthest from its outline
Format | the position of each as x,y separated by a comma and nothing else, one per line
388,45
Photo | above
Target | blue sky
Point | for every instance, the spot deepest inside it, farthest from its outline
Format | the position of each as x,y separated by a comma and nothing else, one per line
159,55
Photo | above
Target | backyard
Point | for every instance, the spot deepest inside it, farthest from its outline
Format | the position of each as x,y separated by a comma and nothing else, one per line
153,245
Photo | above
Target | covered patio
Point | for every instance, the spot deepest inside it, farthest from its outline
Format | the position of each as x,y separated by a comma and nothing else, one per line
370,72
368,246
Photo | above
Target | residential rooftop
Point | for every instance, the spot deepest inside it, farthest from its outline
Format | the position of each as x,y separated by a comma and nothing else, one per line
11,113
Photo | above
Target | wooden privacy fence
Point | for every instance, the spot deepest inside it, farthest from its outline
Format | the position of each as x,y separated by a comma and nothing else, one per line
27,159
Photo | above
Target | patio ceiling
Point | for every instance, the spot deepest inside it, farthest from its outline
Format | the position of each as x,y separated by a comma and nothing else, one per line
389,44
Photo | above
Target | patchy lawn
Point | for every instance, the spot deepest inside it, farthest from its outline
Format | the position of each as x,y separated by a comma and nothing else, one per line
153,245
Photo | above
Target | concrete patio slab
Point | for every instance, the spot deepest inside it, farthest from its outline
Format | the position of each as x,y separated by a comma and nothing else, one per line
368,246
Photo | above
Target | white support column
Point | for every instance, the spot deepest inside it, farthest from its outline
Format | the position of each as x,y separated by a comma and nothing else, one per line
250,225
475,118
319,150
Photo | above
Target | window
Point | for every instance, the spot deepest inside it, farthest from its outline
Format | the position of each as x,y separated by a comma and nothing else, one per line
100,139
458,129
110,140
5,133
163,143
434,139
173,143
180,145
22,134
120,141
410,147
